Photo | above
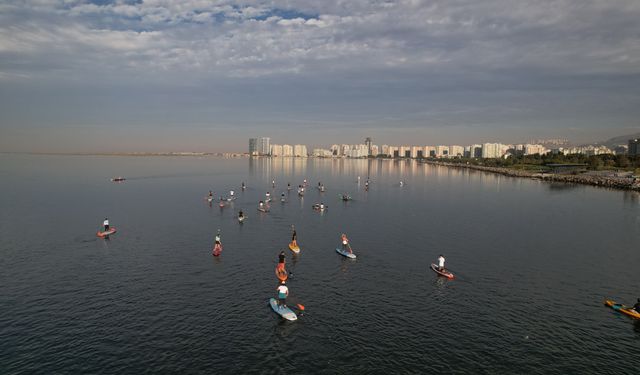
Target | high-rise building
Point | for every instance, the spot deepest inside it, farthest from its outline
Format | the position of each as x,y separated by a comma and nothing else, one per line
442,151
534,149
287,150
634,146
475,151
264,147
492,150
276,150
300,151
456,151
375,150
253,146
417,152
384,150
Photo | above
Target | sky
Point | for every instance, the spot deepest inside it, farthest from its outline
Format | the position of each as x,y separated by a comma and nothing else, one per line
196,75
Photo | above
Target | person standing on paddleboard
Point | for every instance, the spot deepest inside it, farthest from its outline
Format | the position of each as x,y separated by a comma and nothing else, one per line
218,238
294,238
281,260
441,263
345,243
283,292
105,223
637,306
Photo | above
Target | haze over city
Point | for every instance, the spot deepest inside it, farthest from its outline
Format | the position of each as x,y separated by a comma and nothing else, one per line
119,76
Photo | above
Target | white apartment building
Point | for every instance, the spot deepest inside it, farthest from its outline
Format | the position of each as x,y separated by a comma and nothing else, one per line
276,150
442,151
300,151
492,150
287,150
534,149
456,151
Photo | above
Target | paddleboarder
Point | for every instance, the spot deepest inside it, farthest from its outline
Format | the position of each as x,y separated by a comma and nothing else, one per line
281,258
441,263
637,306
294,238
283,292
105,223
345,243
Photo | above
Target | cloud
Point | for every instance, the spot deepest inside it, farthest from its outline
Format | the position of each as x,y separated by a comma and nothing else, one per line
405,60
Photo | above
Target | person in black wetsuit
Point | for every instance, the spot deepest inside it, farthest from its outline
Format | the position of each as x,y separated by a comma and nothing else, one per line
637,306
281,259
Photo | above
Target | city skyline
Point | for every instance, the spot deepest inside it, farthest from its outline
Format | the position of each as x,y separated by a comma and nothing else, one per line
122,76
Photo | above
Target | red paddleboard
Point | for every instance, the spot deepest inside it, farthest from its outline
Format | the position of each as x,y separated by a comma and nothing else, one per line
444,273
217,249
106,233
281,273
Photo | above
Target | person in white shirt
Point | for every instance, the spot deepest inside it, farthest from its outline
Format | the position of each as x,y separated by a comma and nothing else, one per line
231,193
106,224
441,263
283,293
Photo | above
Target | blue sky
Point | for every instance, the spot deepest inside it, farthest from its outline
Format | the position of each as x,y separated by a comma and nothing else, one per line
201,75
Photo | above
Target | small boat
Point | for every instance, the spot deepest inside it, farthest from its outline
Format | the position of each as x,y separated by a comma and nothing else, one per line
283,311
444,273
345,253
118,179
295,248
106,233
623,309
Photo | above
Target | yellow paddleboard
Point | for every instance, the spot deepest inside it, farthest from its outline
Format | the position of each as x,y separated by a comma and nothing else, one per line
294,248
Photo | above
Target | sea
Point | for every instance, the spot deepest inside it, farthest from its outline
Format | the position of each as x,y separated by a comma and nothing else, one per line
533,264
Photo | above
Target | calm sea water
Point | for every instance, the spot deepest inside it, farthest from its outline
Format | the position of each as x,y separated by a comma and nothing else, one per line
534,262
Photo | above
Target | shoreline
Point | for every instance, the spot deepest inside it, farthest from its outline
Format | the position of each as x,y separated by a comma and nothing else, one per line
619,183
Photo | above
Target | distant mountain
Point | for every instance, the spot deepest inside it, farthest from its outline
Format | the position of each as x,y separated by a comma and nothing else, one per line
621,140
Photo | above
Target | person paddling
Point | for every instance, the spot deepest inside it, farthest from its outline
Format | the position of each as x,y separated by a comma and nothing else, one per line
218,238
441,263
241,215
283,293
345,243
637,306
281,258
105,223
294,237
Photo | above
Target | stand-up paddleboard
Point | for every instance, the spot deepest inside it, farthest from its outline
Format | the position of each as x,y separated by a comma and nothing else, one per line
345,253
281,274
623,309
217,249
294,248
444,273
106,233
283,311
